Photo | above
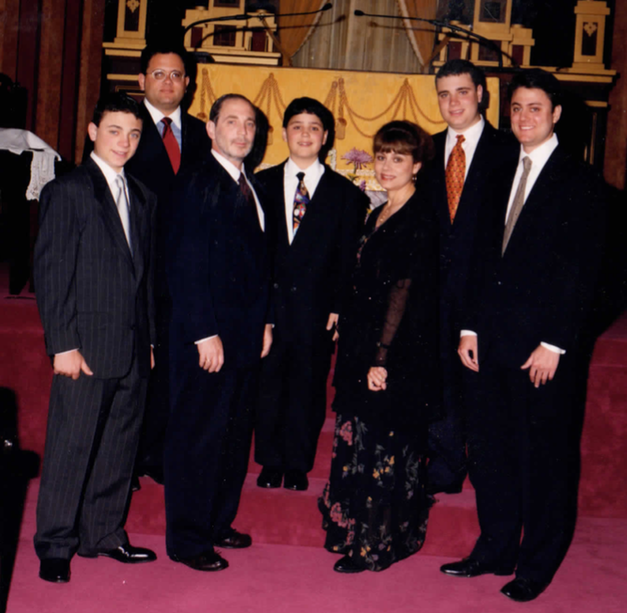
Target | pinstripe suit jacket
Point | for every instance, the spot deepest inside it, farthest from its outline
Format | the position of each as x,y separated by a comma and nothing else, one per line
92,293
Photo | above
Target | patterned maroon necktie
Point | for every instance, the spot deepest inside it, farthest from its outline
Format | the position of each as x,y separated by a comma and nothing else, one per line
171,145
301,200
455,175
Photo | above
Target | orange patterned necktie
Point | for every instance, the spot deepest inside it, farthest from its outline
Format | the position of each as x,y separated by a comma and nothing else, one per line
455,175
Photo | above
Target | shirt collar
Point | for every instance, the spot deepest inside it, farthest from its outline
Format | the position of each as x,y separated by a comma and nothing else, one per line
157,115
233,170
291,168
471,134
540,155
107,171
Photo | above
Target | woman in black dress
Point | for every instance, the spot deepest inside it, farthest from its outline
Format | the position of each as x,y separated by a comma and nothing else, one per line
374,506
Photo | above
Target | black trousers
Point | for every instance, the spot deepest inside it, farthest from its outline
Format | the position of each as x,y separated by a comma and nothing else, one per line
91,443
522,465
206,453
291,408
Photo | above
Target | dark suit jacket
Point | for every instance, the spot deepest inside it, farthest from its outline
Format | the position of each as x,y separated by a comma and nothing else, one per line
457,240
218,266
311,274
540,289
92,294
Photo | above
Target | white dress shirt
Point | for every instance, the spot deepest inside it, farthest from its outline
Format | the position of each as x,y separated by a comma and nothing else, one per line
471,140
175,116
313,174
539,157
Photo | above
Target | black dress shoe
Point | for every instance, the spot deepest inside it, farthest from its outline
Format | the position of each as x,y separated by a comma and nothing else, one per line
468,567
349,565
126,554
154,472
209,561
270,477
451,488
234,540
295,480
523,590
135,484
55,570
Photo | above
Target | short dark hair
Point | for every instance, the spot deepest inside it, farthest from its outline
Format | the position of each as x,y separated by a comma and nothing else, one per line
214,113
536,78
406,138
313,107
163,47
117,102
453,68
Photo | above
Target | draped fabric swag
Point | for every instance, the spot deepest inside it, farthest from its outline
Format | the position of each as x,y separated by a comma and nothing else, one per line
294,31
421,35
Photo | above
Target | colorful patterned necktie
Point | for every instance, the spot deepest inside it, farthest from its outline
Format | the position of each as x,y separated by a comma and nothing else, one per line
455,175
171,144
517,205
301,200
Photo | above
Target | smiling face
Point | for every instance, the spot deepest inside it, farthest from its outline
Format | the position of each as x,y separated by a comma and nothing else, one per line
116,138
165,95
305,135
395,171
233,132
533,117
459,100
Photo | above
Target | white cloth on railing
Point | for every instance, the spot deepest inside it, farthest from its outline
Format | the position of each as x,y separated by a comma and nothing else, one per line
42,165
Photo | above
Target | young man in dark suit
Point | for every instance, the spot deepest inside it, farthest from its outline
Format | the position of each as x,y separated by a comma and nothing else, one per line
317,216
171,141
219,274
469,153
93,279
531,288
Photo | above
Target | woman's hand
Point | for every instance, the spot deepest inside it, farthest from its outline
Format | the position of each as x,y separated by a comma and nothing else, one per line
377,377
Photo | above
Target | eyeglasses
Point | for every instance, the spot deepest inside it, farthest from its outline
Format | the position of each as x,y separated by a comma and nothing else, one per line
176,76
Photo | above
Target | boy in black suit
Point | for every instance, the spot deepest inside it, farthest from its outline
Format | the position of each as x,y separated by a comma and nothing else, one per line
94,292
316,216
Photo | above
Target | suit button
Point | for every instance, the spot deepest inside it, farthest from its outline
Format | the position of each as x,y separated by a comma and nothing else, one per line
275,285
133,327
293,289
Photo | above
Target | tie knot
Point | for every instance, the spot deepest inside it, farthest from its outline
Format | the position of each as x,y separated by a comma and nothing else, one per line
167,121
120,182
526,163
460,139
300,176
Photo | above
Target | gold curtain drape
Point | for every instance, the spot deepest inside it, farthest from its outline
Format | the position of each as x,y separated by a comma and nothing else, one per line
421,35
294,31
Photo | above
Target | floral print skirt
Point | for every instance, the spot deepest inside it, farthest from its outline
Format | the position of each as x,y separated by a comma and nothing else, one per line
374,505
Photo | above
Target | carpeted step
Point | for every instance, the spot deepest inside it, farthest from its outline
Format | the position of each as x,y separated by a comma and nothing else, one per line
283,517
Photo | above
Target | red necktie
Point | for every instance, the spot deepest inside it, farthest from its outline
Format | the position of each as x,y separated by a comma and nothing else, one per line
171,146
455,175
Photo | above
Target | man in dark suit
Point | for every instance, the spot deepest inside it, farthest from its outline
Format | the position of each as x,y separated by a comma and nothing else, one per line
468,154
171,141
219,274
94,292
530,292
317,216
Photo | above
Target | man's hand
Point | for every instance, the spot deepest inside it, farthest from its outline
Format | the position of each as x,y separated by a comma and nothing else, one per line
468,351
152,358
211,354
377,377
332,322
70,364
267,340
542,364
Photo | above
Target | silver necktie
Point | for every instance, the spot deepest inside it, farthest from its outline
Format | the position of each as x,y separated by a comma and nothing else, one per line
123,209
517,205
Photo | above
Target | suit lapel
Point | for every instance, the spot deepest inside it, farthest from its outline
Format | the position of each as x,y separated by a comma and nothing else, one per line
108,209
138,227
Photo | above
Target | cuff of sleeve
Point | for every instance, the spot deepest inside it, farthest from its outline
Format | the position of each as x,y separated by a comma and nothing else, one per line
554,348
467,333
202,340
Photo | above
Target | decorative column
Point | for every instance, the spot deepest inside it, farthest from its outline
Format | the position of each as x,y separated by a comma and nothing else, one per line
131,30
590,36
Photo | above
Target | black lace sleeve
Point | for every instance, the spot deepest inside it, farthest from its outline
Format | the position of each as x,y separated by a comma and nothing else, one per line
396,306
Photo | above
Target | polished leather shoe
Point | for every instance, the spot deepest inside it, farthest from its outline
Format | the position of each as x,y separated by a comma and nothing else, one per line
452,488
135,484
234,540
348,565
154,472
295,480
209,561
523,590
55,570
126,554
469,567
270,478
